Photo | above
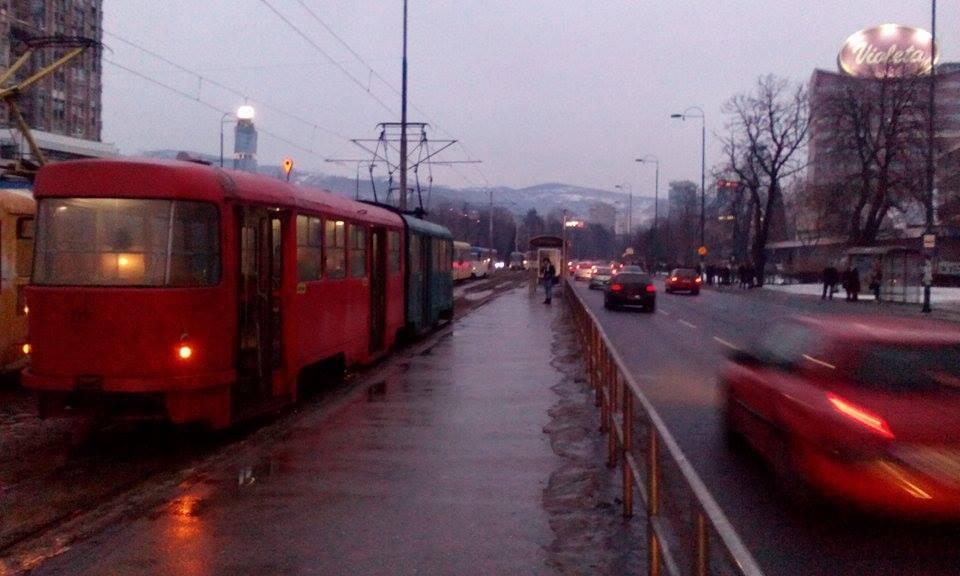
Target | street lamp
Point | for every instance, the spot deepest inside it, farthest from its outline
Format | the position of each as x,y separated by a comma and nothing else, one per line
651,159
703,162
626,186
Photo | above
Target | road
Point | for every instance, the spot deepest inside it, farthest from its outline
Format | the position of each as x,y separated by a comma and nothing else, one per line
675,354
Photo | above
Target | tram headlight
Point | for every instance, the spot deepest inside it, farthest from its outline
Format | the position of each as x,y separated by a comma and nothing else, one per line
27,348
184,350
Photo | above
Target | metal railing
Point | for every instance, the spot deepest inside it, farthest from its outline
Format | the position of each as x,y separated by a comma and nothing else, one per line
687,533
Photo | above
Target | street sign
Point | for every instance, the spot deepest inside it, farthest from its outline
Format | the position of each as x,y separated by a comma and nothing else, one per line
287,167
702,250
929,241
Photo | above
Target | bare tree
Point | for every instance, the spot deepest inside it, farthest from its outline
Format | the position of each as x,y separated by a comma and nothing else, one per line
878,157
768,132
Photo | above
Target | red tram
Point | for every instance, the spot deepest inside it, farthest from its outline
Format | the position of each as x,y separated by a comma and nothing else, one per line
173,289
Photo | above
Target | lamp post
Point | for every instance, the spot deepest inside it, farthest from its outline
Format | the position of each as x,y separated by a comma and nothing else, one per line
626,186
651,159
227,117
703,163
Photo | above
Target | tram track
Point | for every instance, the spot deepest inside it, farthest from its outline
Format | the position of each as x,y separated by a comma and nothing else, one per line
61,490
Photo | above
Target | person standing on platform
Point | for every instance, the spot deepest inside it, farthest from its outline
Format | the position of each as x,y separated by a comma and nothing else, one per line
548,275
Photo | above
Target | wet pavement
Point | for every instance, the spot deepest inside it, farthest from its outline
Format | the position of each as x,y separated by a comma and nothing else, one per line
478,455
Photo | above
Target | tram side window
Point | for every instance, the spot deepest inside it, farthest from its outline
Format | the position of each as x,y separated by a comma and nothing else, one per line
393,249
24,246
309,241
358,251
335,241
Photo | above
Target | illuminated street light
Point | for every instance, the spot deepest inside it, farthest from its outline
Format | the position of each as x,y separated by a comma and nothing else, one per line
703,162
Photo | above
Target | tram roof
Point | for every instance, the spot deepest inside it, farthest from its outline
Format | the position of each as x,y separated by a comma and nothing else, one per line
428,228
16,201
178,179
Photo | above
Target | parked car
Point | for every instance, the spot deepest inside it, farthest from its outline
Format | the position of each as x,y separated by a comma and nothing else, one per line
863,410
683,280
599,277
583,271
630,288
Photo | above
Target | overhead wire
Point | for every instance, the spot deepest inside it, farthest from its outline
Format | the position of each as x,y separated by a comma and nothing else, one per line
317,47
239,93
204,103
387,83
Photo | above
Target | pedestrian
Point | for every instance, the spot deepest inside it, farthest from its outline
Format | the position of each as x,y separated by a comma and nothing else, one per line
830,279
548,275
852,284
876,281
742,275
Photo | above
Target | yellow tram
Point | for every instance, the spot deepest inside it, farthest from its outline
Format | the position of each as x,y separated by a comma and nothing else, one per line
17,210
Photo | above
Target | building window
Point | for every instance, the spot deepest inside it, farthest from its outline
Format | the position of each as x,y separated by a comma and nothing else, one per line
334,242
309,243
358,251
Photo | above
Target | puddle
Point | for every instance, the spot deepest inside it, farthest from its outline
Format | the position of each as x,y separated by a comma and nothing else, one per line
257,472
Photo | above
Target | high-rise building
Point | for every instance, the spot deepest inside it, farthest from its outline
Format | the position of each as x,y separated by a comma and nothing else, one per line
882,68
245,141
603,214
63,109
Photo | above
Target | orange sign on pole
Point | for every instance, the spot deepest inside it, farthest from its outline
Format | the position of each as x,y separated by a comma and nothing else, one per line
702,250
287,167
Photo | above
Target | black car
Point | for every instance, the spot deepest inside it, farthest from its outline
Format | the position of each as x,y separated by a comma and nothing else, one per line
630,288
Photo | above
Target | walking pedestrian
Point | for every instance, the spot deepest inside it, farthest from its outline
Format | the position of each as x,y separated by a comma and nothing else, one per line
830,278
852,283
876,281
742,275
548,275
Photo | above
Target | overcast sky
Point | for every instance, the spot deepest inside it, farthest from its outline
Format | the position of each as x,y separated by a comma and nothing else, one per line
540,90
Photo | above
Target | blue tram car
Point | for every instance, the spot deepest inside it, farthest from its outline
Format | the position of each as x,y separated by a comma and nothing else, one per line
429,281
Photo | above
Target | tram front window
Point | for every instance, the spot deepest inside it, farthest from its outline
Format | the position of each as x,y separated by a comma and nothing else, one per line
126,242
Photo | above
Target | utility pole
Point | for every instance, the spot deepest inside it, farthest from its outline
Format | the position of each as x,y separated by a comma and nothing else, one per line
491,268
403,117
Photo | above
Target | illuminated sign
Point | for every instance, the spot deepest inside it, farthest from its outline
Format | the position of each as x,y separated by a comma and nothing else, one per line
888,50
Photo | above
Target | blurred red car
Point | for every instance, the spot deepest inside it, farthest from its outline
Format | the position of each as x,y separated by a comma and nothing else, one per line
863,410
683,280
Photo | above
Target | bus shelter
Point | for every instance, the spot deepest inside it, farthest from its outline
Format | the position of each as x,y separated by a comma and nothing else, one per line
901,269
551,248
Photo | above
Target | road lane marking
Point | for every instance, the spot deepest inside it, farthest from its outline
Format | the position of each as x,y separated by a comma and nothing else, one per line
729,345
687,324
664,312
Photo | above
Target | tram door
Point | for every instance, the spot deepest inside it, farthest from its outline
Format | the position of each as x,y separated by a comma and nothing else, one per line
261,270
378,288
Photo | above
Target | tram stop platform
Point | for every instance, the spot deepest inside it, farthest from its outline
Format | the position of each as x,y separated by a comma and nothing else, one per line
476,453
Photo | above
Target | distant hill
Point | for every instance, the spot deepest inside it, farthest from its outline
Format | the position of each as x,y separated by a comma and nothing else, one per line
542,197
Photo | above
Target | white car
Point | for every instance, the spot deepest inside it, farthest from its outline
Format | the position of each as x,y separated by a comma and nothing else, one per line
583,271
599,277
